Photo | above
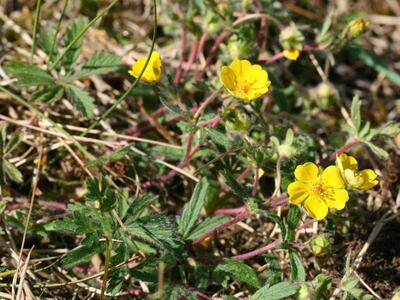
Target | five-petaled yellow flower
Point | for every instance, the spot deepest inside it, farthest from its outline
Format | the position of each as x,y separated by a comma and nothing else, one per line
359,180
153,70
244,80
318,190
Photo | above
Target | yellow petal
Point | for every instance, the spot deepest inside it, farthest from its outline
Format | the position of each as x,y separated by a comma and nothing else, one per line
240,68
228,78
307,172
298,191
348,162
316,207
331,177
153,69
291,54
370,180
337,199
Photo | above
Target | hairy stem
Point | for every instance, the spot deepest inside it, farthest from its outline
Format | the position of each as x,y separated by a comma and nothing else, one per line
35,28
106,267
341,150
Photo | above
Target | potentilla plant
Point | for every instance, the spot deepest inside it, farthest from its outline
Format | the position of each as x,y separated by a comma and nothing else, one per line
240,149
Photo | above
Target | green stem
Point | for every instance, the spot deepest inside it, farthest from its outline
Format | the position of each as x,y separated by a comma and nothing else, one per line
57,31
57,126
35,28
106,267
101,14
126,94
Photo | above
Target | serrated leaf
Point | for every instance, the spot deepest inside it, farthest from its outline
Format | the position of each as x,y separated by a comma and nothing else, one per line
298,272
99,63
275,292
177,292
206,226
218,137
192,209
378,151
72,32
27,74
355,112
241,272
274,217
236,188
293,216
113,156
322,285
171,107
82,254
12,172
136,207
82,100
46,40
48,94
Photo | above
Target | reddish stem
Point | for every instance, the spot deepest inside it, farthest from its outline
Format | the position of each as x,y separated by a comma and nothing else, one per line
244,215
213,51
181,58
192,58
257,251
341,150
256,182
228,211
279,201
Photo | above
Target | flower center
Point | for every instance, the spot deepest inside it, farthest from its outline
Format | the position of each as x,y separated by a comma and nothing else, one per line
244,88
319,189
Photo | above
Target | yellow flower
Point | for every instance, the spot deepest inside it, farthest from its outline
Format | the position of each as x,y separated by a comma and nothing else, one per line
244,80
291,54
153,70
359,180
318,190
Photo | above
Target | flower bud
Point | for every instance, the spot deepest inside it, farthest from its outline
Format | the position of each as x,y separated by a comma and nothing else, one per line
237,121
323,94
357,27
304,292
291,40
320,244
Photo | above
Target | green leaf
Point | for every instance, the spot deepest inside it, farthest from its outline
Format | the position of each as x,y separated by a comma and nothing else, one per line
376,63
293,218
82,100
206,226
192,209
177,292
48,94
275,292
137,207
322,284
27,74
46,40
359,294
218,137
171,107
113,156
274,217
235,187
99,191
72,32
12,172
355,112
82,254
99,63
298,272
378,151
240,271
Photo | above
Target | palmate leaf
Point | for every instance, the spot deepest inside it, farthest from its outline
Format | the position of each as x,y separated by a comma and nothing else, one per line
48,94
99,63
27,74
73,53
82,100
206,226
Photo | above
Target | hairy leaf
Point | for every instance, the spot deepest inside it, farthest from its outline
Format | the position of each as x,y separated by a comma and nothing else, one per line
82,100
27,74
